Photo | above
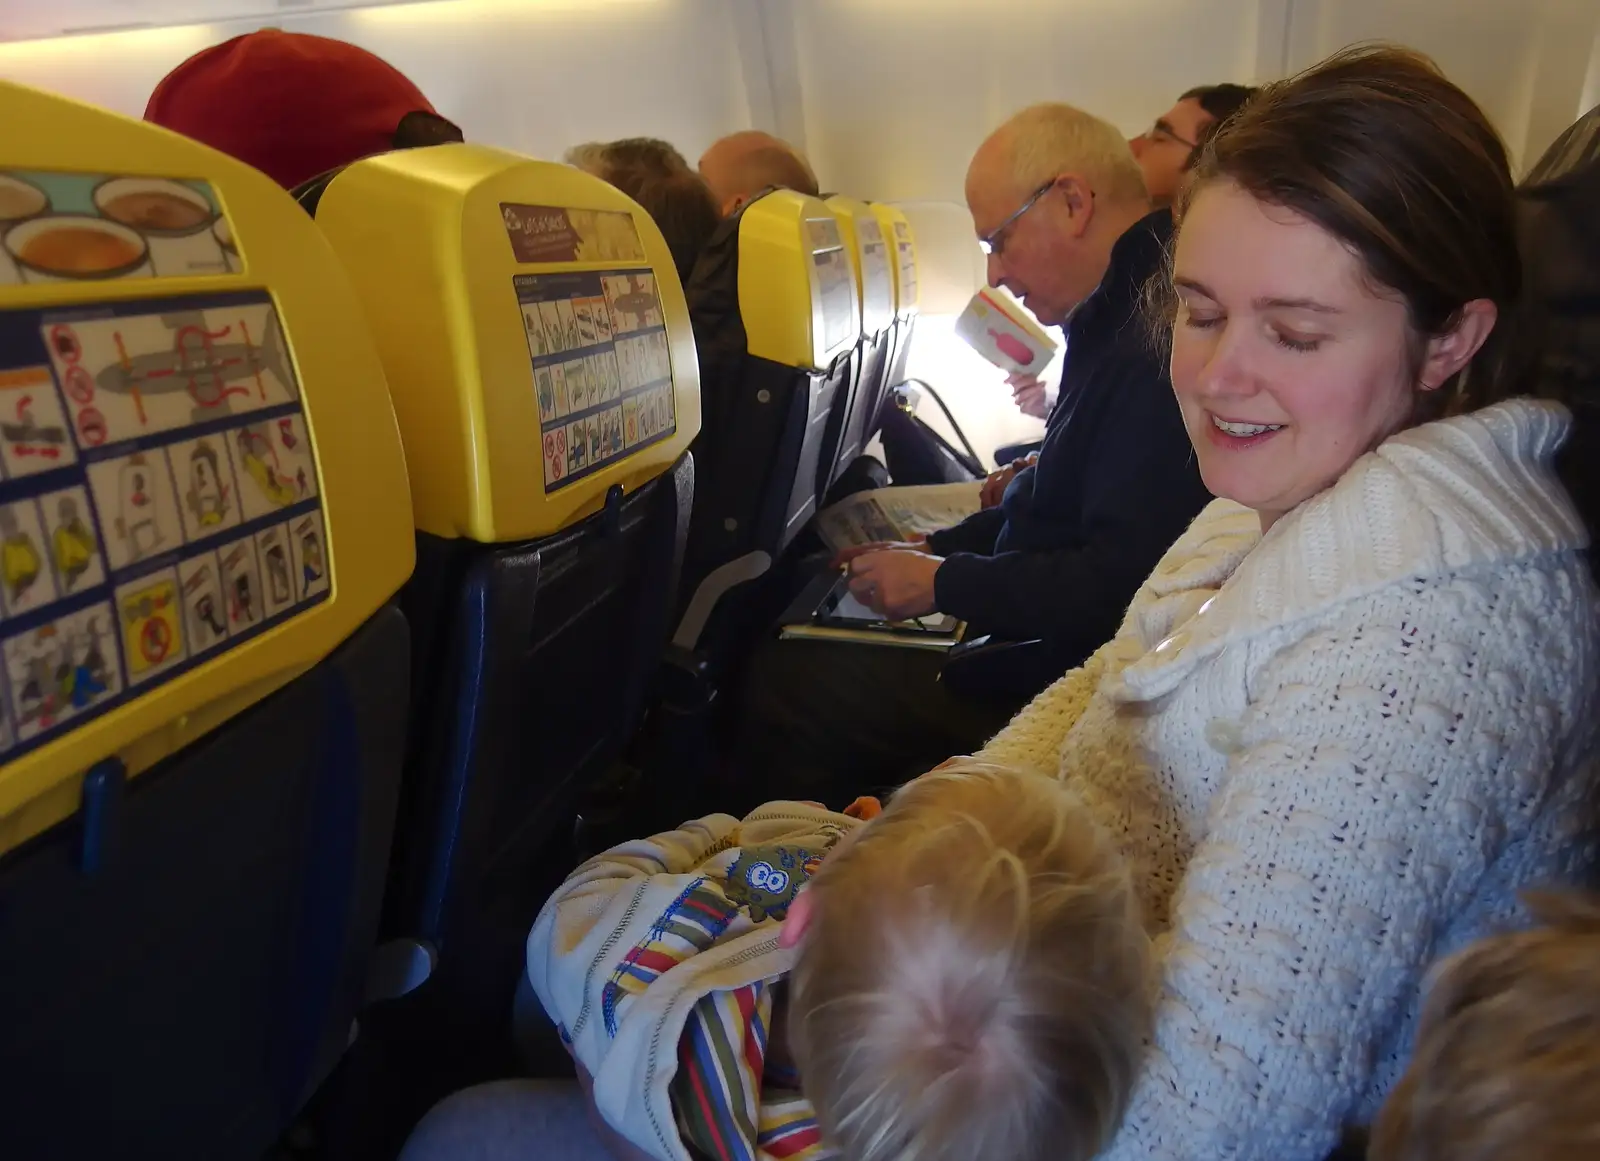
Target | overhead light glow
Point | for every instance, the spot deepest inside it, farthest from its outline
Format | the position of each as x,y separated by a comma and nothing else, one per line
460,11
92,47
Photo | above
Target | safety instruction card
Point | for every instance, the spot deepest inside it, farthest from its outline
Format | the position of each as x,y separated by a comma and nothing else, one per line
159,501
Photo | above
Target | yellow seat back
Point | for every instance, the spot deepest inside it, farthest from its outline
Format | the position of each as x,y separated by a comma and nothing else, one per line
903,244
797,289
870,261
856,418
204,491
534,331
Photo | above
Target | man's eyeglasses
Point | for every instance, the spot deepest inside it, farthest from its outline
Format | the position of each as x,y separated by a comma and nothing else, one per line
994,241
1161,134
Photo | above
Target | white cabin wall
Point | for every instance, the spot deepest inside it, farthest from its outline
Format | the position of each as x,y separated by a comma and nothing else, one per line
547,76
533,77
115,70
898,93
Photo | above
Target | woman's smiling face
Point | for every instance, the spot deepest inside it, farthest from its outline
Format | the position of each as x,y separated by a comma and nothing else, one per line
1287,363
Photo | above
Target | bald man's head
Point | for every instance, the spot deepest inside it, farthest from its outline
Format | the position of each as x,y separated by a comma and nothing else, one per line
741,165
1050,193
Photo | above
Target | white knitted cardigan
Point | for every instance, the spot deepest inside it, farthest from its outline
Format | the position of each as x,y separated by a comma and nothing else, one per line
1332,754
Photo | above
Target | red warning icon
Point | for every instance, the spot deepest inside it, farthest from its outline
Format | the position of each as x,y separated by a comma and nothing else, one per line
555,453
155,640
80,387
65,342
92,426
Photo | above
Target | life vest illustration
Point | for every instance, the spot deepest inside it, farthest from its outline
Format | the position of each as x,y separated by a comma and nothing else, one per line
273,486
72,543
20,562
207,497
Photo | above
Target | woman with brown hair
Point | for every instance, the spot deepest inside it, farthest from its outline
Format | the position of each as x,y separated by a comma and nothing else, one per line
655,175
1351,713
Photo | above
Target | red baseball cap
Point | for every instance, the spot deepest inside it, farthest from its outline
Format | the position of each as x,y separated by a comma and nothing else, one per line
290,104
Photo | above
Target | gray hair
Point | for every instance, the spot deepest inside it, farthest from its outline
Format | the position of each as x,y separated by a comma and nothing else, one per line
588,157
1050,139
649,156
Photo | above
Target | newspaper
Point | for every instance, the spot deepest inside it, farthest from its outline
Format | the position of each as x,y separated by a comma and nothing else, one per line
896,513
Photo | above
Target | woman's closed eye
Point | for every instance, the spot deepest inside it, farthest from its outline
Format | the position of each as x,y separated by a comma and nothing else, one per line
1206,320
1295,342
1196,318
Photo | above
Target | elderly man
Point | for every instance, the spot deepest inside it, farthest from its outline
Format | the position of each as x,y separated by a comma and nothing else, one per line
1165,153
741,165
1061,209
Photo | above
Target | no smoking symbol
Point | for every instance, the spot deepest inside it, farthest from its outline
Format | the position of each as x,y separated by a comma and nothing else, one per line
66,344
79,384
92,426
155,639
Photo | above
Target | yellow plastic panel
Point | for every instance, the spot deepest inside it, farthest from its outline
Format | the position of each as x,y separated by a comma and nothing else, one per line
797,291
202,490
533,328
869,255
898,228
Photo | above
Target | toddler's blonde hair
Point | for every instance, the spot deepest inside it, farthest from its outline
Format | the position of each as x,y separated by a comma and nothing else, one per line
1507,1062
972,981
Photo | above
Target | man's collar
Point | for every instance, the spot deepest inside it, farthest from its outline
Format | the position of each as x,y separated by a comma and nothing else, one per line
1135,256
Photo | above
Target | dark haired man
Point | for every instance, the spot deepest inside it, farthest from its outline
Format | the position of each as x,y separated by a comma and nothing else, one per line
1168,149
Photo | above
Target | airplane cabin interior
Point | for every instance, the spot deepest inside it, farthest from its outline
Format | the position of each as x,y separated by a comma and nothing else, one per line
379,545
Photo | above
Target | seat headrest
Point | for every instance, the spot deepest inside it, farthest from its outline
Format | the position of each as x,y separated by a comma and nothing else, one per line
1559,210
714,282
1559,236
309,192
778,265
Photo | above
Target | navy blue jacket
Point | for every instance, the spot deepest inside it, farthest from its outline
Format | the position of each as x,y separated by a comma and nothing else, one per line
1115,484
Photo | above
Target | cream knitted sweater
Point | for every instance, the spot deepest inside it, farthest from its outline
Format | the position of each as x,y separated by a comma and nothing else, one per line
1333,753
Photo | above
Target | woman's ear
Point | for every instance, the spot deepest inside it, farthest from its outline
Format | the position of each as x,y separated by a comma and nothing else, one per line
1450,352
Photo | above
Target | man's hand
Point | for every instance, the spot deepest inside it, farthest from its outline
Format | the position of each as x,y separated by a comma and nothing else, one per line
897,582
1028,392
995,484
845,555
